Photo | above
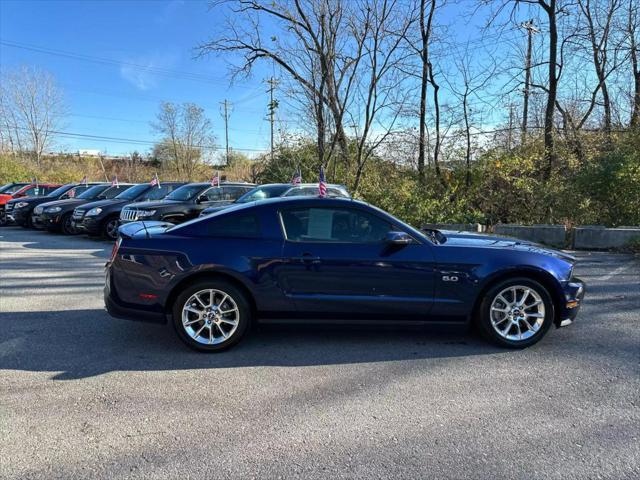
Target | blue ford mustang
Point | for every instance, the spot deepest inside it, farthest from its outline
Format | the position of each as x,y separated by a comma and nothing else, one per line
321,259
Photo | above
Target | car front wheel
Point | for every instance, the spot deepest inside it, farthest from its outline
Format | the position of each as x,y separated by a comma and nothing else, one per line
110,228
66,225
211,315
516,313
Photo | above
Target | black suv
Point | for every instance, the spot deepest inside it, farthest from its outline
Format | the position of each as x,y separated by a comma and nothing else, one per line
56,216
21,210
101,218
185,202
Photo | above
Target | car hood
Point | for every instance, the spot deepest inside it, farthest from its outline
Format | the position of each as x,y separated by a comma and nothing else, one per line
112,202
65,203
153,204
463,239
31,200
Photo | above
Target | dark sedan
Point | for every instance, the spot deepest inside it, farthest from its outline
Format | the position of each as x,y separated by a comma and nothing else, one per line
56,216
101,218
320,259
185,203
20,210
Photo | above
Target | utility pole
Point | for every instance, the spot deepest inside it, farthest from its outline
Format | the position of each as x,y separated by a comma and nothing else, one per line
226,107
531,30
273,105
510,136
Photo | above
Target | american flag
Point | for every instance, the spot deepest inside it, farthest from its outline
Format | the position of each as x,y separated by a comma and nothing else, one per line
322,185
114,181
297,177
215,180
155,181
84,180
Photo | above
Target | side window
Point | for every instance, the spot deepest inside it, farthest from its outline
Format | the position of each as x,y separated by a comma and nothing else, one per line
214,194
239,226
232,193
333,225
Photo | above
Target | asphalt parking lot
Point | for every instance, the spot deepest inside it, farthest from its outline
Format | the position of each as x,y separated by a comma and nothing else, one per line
86,396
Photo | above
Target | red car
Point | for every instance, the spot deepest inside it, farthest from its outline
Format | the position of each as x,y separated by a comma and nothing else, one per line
18,190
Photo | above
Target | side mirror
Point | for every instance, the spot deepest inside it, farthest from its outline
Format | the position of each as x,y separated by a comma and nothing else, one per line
398,238
202,199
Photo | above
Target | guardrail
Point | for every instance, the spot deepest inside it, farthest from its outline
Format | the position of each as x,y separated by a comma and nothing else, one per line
587,237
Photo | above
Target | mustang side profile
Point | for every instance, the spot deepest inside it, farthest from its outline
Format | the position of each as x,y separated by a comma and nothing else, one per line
332,259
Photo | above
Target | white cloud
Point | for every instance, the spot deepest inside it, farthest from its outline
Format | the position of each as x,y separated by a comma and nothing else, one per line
139,71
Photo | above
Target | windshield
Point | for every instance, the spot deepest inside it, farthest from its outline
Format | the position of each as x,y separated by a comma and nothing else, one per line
112,192
60,190
186,192
92,192
260,193
133,192
11,187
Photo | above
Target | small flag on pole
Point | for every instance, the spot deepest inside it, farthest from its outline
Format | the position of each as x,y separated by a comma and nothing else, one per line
84,181
114,181
215,180
322,185
155,181
34,180
297,177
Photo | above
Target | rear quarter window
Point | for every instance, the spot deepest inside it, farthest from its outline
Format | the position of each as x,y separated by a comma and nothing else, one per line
236,226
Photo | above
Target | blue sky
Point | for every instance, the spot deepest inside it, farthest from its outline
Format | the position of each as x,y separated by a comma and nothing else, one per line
160,34
108,98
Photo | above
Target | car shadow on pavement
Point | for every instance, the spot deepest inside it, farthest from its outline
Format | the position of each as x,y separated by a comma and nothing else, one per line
84,343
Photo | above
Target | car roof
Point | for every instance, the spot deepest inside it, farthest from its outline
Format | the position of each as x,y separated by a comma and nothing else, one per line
225,184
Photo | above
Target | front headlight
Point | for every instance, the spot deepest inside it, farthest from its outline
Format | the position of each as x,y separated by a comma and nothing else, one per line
145,213
20,205
38,210
93,212
53,209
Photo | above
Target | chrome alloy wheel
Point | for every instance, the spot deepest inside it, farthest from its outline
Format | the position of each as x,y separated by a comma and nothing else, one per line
517,313
210,316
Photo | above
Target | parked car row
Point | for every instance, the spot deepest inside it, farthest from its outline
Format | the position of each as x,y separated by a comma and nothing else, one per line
98,209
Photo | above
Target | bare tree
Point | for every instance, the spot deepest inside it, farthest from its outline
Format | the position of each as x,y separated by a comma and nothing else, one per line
426,26
186,136
471,78
32,110
599,21
632,31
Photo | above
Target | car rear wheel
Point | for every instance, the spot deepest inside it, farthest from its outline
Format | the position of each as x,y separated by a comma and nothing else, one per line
516,313
110,228
211,315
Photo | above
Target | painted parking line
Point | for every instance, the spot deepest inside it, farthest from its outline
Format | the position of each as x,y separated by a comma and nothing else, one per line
613,273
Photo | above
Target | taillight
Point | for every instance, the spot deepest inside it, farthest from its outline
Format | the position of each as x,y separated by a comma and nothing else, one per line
114,250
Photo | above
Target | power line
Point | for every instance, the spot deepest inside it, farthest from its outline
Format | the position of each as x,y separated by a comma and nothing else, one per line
181,74
133,141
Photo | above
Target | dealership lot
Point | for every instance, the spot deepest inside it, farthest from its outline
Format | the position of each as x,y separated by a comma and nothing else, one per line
83,395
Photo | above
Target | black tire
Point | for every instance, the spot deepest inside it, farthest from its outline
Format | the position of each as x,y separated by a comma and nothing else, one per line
486,325
107,231
66,225
243,319
28,222
3,220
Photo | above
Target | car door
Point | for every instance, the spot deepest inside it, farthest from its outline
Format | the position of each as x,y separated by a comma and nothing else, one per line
339,266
